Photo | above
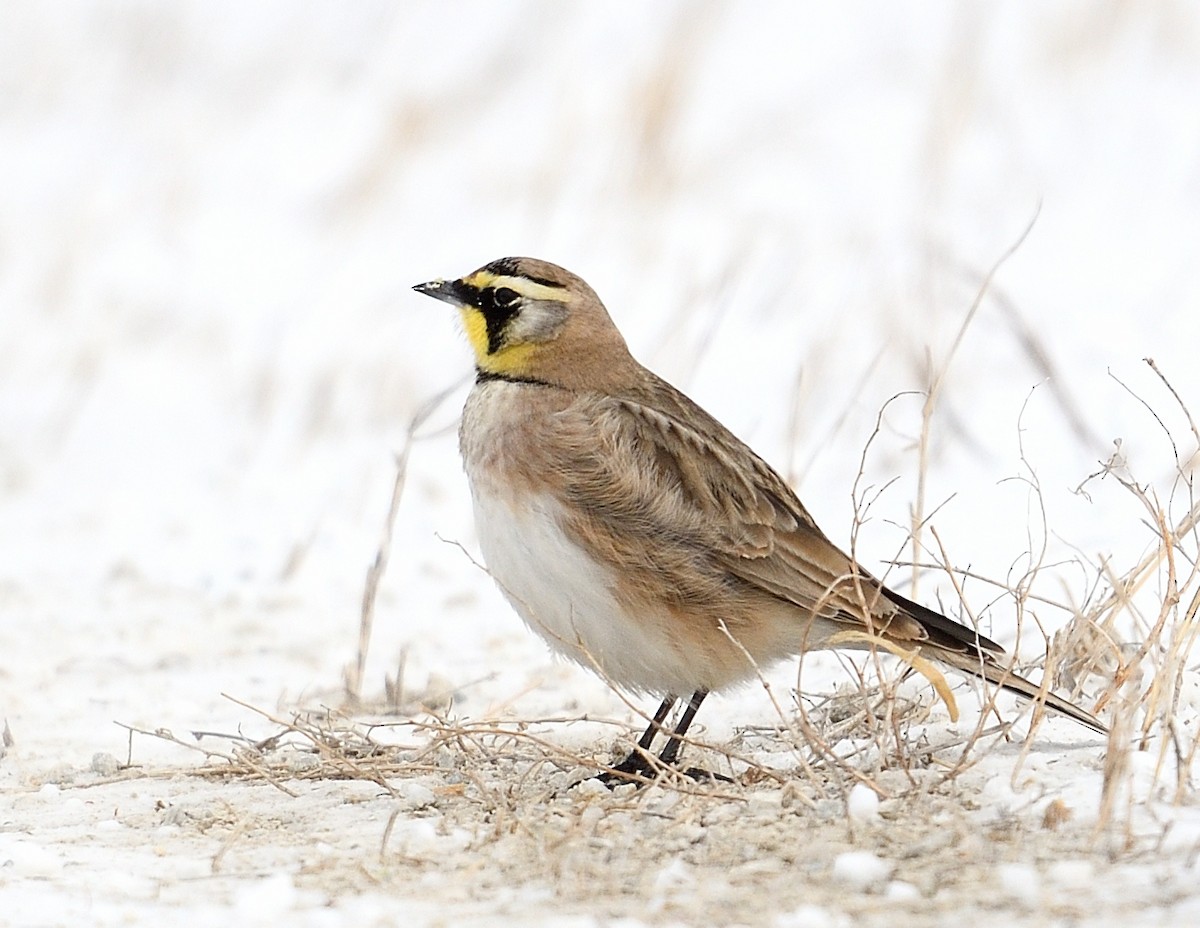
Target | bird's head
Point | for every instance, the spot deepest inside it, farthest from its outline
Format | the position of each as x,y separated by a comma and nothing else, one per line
530,319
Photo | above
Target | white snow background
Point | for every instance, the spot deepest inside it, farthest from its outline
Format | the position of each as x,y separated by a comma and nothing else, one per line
210,218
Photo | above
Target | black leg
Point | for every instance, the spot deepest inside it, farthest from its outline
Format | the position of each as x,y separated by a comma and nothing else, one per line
639,765
655,725
638,762
671,751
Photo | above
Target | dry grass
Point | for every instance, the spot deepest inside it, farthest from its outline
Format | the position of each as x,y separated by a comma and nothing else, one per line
1129,647
353,675
1140,632
519,783
521,793
859,735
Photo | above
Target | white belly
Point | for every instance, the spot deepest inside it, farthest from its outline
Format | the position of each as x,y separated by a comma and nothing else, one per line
567,598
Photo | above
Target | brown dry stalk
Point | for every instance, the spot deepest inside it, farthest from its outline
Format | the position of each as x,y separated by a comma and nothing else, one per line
353,676
934,393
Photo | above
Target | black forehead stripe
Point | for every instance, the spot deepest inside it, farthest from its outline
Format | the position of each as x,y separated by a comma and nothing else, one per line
544,281
510,267
503,267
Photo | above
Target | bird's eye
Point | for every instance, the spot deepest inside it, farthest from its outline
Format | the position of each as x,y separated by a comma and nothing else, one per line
505,297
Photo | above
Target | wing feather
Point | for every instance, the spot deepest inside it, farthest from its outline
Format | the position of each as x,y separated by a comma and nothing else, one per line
681,507
668,471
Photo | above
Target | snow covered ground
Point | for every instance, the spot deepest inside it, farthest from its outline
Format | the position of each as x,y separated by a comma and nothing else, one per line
210,216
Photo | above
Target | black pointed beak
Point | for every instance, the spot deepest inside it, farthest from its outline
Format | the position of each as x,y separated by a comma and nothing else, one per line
448,291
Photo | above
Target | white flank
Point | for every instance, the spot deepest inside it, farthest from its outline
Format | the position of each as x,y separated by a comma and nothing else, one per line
566,597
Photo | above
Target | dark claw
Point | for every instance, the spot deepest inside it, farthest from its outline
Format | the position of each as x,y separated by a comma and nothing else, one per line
638,769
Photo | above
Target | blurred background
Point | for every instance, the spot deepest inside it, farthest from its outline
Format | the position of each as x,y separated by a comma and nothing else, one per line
211,215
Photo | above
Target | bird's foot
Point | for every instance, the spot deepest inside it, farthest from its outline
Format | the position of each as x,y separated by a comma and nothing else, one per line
640,768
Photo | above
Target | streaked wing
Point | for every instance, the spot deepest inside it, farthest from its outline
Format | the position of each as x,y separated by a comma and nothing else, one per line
670,473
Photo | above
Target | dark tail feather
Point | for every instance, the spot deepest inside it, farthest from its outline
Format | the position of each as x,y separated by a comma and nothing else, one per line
996,673
967,650
940,627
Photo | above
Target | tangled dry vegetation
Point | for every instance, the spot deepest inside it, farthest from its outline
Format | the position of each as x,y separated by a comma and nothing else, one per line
519,795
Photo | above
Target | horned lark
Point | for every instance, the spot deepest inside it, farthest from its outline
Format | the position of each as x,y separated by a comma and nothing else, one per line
636,534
